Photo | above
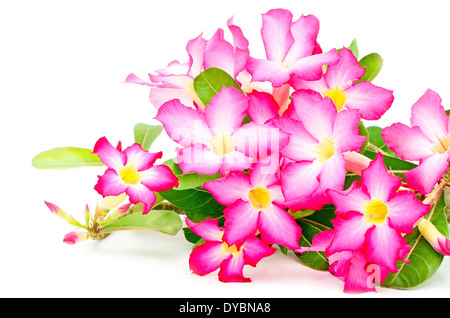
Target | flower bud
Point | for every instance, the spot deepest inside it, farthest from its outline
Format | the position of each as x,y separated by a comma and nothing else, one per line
436,239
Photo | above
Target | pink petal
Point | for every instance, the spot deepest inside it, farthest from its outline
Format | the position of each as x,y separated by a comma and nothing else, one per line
310,68
358,279
199,159
264,70
241,220
208,229
317,119
384,246
370,100
429,115
231,270
140,193
332,176
110,183
196,50
220,53
344,73
346,133
352,199
304,31
132,78
264,174
261,107
236,161
424,177
226,111
160,95
350,233
206,258
184,125
405,201
303,98
227,190
303,203
278,227
300,179
75,237
320,242
159,178
140,158
255,250
408,143
260,141
276,34
379,183
319,86
109,155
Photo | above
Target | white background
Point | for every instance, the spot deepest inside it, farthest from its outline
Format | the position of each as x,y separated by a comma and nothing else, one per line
62,67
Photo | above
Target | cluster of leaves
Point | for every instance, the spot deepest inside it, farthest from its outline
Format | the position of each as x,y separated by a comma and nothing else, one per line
197,204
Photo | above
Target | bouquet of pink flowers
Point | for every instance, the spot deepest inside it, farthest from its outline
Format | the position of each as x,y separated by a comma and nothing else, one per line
278,153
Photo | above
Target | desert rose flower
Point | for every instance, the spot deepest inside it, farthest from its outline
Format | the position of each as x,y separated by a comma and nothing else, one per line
375,215
215,253
290,48
426,141
132,171
436,239
339,83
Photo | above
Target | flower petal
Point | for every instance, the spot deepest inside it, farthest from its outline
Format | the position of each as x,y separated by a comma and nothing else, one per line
300,179
370,100
346,133
206,258
184,125
255,250
110,183
208,229
200,159
424,177
358,279
332,176
159,178
429,115
264,70
408,143
226,111
352,199
231,269
140,158
261,107
379,183
304,31
350,233
276,34
401,202
278,227
109,155
241,220
310,68
344,73
140,193
232,187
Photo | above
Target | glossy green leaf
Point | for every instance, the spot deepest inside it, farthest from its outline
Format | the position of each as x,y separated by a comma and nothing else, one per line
164,221
66,157
373,64
424,261
354,48
375,139
209,82
145,134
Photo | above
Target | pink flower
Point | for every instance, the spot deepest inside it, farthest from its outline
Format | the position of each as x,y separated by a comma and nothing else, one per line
290,48
339,83
255,203
132,172
176,81
371,217
216,253
215,140
319,135
426,141
351,267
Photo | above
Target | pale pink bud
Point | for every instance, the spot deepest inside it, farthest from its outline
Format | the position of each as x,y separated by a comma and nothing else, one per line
355,162
75,237
436,239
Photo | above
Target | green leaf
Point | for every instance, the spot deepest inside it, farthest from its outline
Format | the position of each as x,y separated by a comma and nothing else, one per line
354,48
164,221
375,139
312,225
66,157
423,259
363,131
373,63
145,134
209,82
188,180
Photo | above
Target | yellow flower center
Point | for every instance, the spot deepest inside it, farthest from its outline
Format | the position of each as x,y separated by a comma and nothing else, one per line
130,175
375,211
222,145
324,149
226,249
337,96
441,145
260,198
